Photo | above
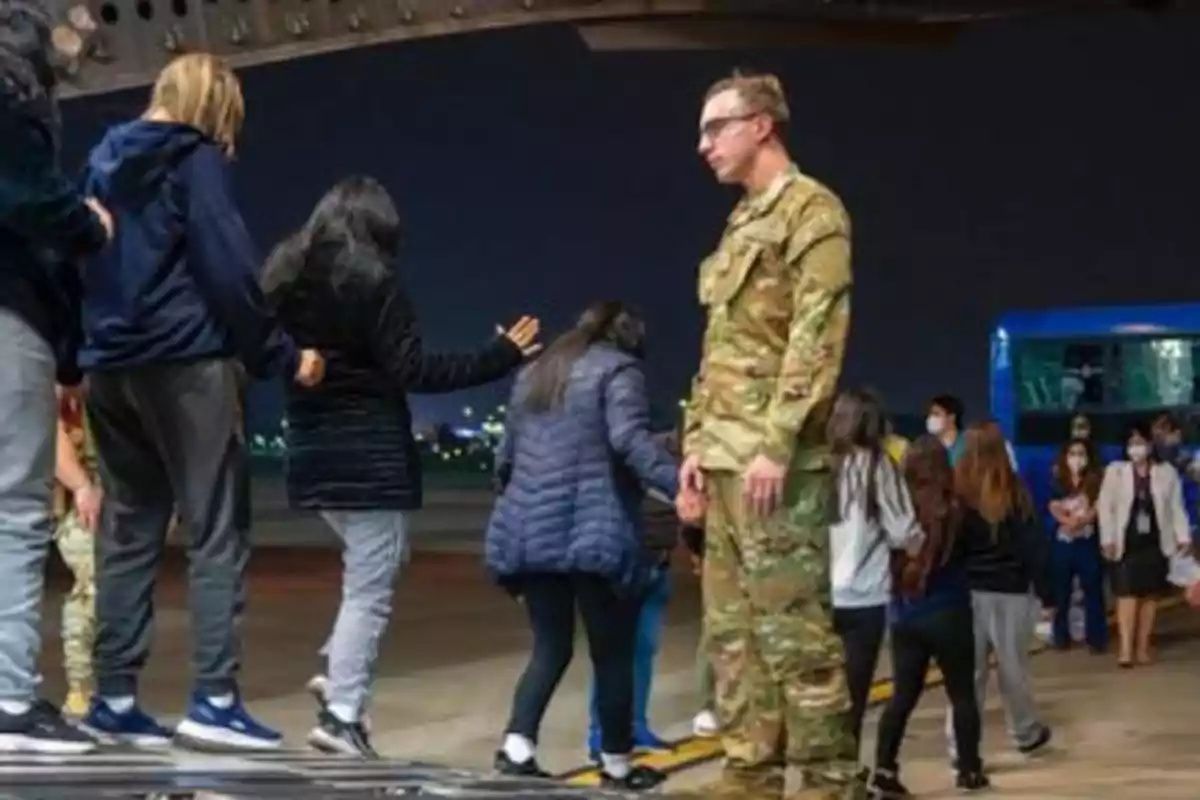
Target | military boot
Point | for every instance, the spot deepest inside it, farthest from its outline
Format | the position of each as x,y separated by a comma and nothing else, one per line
737,786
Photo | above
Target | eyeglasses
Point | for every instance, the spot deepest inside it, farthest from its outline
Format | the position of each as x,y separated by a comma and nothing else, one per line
714,127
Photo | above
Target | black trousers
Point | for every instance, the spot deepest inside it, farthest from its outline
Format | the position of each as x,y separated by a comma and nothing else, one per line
610,621
165,439
861,631
946,636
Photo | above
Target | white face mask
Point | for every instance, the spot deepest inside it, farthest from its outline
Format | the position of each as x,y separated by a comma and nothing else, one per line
1137,452
1076,463
935,425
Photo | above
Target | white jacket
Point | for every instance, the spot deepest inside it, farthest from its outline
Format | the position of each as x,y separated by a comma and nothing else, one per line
1115,505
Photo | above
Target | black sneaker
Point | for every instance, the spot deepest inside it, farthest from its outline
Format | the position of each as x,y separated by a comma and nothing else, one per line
972,781
885,785
346,738
42,729
1043,739
640,778
518,769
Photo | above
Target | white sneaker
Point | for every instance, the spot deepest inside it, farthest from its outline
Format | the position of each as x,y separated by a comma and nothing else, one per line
316,687
705,725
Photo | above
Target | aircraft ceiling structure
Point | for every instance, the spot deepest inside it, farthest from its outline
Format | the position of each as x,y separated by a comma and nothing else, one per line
126,42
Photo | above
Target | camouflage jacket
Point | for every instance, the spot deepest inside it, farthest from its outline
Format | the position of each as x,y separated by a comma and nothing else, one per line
777,295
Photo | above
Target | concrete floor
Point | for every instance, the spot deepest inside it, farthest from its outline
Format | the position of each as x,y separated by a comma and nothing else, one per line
457,645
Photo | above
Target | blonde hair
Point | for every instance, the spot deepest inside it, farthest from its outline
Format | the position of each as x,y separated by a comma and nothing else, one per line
761,93
200,89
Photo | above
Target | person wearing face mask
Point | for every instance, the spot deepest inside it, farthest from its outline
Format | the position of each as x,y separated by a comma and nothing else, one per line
944,420
1076,553
1142,524
1169,449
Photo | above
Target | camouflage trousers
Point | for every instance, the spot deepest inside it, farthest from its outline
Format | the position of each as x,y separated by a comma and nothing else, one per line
77,548
781,693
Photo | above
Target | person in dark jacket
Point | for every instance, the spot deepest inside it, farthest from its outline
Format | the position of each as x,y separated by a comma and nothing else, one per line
1008,569
167,311
567,529
351,455
46,224
930,619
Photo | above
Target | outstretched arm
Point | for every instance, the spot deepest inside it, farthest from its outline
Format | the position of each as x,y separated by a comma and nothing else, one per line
397,346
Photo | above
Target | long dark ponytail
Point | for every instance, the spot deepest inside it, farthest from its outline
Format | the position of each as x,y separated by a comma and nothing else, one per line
609,321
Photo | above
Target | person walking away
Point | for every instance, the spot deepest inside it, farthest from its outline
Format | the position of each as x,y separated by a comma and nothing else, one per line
875,517
661,536
567,530
1142,524
77,501
1076,552
166,313
930,619
46,225
351,455
777,297
1008,563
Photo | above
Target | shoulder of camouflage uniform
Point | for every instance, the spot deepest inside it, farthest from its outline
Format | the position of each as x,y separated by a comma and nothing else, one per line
814,213
808,200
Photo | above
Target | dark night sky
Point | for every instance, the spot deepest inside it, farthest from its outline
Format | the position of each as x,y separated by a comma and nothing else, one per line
1039,164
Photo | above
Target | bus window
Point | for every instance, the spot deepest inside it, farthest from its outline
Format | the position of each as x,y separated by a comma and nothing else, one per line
1059,376
1156,373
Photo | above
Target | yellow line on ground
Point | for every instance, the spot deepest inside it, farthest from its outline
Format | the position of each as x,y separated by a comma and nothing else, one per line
693,750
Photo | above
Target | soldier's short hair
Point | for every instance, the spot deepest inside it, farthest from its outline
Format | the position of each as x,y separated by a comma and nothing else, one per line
761,92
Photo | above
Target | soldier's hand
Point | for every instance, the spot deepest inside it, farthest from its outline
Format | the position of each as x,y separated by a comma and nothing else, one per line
762,488
691,477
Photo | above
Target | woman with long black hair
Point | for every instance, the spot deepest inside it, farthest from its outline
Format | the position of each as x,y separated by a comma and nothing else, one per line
351,453
567,529
931,620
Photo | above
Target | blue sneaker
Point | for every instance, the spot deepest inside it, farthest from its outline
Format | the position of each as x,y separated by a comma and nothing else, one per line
133,727
209,726
646,739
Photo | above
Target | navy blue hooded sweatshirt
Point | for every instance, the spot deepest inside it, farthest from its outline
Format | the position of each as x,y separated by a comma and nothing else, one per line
45,226
180,281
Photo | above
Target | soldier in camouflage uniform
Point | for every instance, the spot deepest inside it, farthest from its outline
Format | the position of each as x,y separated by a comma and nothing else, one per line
777,295
77,509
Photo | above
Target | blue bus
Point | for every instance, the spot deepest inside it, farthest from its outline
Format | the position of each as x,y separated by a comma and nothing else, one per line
1115,365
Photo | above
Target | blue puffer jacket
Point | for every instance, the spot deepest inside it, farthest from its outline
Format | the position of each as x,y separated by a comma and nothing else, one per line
574,477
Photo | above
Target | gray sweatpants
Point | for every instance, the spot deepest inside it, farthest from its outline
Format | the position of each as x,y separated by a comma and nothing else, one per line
165,439
375,546
27,439
1004,625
